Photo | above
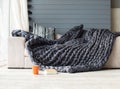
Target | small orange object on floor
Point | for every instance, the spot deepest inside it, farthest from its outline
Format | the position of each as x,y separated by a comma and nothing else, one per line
35,69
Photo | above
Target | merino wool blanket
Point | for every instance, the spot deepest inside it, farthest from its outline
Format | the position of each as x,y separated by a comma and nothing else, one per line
78,50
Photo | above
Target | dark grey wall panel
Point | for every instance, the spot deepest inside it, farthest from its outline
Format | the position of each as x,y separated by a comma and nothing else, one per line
72,12
70,2
64,14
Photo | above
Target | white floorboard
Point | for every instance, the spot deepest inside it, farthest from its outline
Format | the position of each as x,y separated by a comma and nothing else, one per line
24,79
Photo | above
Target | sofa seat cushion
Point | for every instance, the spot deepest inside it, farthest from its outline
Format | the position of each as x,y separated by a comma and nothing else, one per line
28,63
26,53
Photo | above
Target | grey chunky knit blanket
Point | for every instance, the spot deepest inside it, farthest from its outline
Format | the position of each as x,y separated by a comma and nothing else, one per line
78,50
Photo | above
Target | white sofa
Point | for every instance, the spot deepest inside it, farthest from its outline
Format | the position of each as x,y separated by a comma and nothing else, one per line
18,57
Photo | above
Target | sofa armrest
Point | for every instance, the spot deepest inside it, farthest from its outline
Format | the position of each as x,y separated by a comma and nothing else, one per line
114,58
16,52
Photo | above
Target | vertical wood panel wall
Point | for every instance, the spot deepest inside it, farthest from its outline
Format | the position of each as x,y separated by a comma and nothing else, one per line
115,3
64,14
115,17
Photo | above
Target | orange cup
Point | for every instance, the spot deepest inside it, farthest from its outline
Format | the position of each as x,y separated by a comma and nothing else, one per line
35,69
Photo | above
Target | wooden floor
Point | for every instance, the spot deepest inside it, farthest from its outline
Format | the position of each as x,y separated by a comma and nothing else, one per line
24,79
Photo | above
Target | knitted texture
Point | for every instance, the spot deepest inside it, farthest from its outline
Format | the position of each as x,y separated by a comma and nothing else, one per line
78,50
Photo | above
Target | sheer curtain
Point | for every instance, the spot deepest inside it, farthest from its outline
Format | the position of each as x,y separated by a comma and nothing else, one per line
13,15
19,15
4,28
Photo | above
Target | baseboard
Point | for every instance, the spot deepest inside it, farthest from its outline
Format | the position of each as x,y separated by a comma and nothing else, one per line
18,68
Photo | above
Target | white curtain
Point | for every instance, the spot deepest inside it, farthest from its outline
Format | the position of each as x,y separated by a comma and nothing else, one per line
4,28
13,15
19,15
